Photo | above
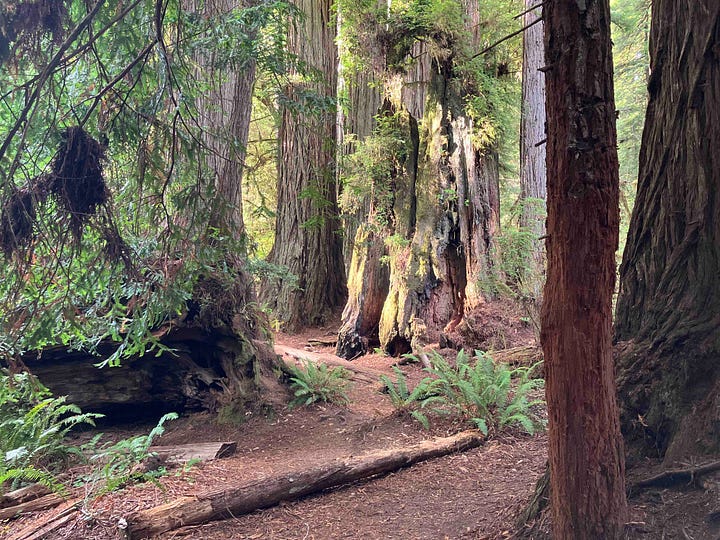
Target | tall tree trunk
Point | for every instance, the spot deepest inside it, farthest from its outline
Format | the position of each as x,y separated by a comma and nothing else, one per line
363,247
307,239
446,207
532,149
224,112
585,451
668,309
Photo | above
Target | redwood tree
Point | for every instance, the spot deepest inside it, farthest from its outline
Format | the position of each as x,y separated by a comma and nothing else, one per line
585,450
668,309
439,204
307,229
532,147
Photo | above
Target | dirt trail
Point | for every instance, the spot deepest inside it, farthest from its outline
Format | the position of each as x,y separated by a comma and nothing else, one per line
475,494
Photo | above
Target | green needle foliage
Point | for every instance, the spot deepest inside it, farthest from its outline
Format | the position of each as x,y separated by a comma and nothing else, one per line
312,382
492,396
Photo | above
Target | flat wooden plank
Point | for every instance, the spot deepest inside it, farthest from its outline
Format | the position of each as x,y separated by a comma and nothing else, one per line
183,453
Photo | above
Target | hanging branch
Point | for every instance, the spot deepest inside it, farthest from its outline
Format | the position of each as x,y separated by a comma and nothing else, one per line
56,59
490,47
533,8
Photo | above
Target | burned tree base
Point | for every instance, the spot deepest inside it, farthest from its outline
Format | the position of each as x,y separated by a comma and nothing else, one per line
669,400
205,370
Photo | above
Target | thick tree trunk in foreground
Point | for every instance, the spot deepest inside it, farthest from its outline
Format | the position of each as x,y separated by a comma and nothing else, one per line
532,150
307,239
285,486
585,451
668,309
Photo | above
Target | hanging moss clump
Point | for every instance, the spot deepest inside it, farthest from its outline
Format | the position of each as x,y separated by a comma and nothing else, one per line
17,218
76,181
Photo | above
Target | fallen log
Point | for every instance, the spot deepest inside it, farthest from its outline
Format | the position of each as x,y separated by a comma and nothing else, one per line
329,342
24,494
285,486
35,505
183,453
40,530
362,373
525,356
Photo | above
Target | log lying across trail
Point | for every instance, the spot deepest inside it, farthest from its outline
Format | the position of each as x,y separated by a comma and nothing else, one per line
285,486
363,373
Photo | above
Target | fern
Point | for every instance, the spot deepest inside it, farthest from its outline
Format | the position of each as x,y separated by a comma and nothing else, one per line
33,428
313,382
491,396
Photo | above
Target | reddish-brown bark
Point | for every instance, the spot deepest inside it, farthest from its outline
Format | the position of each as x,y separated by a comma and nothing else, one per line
307,239
668,309
585,452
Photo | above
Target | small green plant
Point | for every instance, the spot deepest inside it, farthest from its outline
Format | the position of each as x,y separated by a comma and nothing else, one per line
405,400
492,396
33,425
313,382
118,463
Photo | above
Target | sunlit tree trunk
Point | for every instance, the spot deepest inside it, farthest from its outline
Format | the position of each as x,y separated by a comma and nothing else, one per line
446,208
307,229
585,447
363,246
532,148
668,309
224,106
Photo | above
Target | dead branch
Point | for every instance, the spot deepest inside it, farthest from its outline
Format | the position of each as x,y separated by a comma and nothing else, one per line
673,477
42,503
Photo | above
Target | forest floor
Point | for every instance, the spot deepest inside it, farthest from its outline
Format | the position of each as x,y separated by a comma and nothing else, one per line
476,494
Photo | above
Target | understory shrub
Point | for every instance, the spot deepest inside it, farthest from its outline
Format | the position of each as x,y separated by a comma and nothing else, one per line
492,396
33,425
312,382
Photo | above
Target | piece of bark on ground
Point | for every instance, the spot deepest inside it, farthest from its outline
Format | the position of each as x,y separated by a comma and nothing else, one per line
39,530
183,453
24,494
250,496
35,505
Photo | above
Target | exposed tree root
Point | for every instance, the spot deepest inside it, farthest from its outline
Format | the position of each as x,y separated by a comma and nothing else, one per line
674,476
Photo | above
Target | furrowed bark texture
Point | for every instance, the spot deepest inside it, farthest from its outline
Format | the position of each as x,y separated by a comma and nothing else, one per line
532,151
668,309
307,239
585,450
363,247
224,114
446,209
